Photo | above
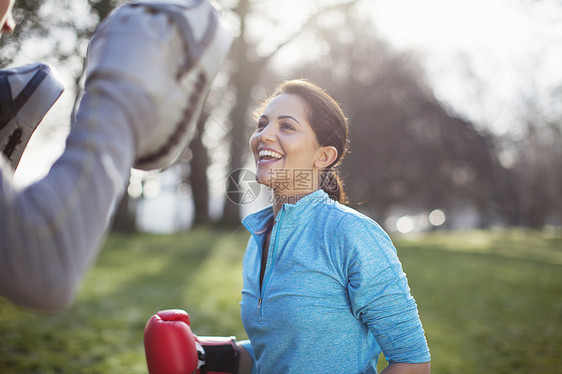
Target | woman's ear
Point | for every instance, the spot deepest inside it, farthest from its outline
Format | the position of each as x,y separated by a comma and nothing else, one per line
326,156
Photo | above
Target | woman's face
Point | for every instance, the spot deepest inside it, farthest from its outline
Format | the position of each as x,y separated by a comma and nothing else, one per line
285,147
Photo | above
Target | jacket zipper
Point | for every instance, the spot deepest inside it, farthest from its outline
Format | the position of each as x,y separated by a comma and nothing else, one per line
270,270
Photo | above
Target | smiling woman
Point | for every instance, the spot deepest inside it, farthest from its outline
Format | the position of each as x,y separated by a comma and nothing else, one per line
318,274
323,288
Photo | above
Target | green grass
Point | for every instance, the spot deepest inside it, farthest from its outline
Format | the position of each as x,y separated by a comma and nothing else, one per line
490,301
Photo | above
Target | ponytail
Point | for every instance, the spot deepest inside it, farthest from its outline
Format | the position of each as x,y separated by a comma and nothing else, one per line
332,184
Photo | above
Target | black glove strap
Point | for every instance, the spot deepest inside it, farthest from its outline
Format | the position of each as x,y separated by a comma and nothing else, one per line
221,357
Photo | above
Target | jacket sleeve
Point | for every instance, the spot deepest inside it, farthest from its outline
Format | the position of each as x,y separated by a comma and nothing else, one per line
247,345
51,230
379,291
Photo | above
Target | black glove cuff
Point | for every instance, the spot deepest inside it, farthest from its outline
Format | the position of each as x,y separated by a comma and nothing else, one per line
221,355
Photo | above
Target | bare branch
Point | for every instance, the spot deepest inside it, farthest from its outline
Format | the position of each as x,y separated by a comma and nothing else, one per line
308,23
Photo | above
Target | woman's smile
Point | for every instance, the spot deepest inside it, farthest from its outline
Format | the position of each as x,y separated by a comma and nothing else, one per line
268,156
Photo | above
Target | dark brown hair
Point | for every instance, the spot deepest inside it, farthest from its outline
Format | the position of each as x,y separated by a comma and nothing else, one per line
329,124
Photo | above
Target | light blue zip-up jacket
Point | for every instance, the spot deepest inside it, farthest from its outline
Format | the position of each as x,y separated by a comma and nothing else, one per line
333,295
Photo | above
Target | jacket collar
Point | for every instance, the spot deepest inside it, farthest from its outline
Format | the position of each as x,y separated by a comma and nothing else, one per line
257,223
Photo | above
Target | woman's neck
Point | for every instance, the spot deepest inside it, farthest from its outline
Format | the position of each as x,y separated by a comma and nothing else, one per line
280,198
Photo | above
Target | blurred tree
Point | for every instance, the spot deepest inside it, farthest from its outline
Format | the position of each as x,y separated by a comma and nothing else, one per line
55,31
29,24
407,149
199,162
530,149
535,165
246,72
124,217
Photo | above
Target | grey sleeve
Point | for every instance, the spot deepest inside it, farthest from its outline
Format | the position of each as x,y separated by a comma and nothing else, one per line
50,231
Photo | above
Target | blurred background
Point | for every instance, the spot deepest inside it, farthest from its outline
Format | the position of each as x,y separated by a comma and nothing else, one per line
455,108
455,114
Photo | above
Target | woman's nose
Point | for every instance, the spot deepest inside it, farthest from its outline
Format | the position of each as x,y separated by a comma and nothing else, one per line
267,134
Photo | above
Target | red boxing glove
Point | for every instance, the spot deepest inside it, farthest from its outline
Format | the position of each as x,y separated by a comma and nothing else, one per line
171,347
169,344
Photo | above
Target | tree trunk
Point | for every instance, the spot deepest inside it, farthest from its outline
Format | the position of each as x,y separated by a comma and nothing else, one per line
123,220
245,78
198,176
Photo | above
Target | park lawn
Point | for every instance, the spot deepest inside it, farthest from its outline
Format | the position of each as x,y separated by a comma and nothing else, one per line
490,301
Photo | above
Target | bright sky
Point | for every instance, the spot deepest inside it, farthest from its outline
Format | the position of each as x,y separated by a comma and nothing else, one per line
510,47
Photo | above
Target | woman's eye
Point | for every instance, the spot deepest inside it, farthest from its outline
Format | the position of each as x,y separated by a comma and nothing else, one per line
287,126
261,125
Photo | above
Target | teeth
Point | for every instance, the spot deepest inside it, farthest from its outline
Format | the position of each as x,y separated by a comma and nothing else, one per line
264,153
